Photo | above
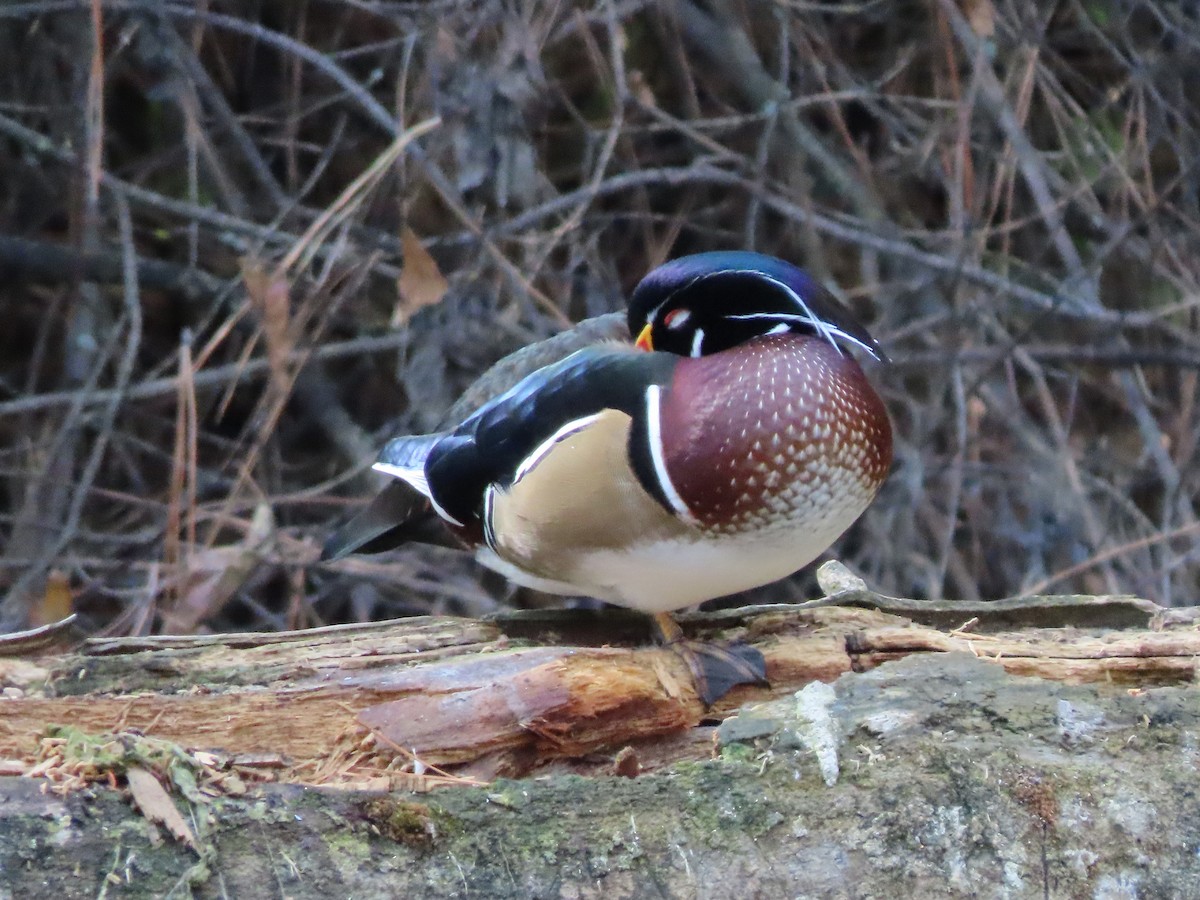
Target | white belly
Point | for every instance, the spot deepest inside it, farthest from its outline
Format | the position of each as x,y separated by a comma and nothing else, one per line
671,574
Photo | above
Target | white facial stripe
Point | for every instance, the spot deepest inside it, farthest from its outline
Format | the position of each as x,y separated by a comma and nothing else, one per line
827,331
698,341
531,461
416,477
823,328
677,318
654,429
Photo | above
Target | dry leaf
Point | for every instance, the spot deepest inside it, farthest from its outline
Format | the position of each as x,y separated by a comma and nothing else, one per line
981,16
55,603
640,88
214,575
445,45
268,291
421,281
626,764
157,806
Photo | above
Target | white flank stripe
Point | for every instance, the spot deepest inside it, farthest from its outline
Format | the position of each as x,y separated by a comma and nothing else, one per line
437,508
654,428
415,477
530,462
697,341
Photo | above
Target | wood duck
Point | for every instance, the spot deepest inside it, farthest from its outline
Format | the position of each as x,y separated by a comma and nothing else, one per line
724,448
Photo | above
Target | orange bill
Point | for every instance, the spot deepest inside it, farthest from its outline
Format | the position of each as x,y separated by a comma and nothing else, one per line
643,340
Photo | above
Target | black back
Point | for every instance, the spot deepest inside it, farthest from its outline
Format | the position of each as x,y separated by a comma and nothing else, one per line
489,447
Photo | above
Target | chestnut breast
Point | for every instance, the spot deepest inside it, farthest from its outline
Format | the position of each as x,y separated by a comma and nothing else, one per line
784,429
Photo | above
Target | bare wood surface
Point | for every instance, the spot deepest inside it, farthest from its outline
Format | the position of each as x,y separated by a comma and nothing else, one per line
521,692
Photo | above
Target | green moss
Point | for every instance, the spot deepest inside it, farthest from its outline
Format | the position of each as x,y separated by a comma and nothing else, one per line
510,795
720,799
116,753
739,753
570,825
402,821
347,850
101,752
257,811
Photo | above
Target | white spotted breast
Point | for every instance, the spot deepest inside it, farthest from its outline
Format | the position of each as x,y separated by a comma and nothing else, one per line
783,429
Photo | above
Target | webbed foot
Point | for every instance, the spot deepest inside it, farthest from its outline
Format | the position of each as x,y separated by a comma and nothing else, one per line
716,668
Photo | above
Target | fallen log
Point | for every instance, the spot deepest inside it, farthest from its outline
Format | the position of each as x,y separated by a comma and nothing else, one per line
883,749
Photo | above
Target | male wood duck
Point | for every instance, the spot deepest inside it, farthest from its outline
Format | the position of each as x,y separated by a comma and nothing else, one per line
726,447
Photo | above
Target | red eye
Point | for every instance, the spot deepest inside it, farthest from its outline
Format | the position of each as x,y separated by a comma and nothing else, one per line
676,318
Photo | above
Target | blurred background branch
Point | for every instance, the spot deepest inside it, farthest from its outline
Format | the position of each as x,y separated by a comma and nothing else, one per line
229,271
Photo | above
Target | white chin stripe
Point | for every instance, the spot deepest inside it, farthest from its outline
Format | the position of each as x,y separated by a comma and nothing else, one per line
416,477
529,463
698,342
654,430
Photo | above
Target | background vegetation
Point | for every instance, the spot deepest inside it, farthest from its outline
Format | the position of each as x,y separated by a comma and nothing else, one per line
243,243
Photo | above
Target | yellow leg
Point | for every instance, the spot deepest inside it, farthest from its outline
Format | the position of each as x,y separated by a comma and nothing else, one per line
668,628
